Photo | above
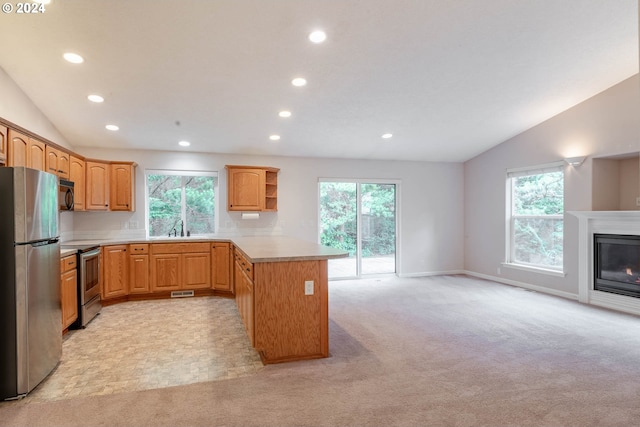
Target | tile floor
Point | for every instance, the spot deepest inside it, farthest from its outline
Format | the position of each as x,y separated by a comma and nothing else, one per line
152,344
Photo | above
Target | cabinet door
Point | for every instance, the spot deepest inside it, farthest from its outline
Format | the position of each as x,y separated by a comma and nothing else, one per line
116,277
248,307
246,189
4,143
64,164
139,282
53,158
220,267
18,148
196,270
97,186
121,187
77,175
69,297
37,155
166,271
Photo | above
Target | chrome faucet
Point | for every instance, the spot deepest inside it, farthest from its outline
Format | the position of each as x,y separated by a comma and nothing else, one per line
181,228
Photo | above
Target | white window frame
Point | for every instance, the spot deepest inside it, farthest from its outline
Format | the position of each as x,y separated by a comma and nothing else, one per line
510,218
216,193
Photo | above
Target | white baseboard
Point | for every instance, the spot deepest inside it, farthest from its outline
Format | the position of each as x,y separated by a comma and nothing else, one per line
433,273
524,285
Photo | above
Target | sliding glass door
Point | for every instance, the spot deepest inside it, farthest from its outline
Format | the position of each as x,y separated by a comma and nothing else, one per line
359,217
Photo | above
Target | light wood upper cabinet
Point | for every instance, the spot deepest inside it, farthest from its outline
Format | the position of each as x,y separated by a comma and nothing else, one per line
122,185
57,162
252,188
116,273
97,186
18,149
36,157
77,176
4,143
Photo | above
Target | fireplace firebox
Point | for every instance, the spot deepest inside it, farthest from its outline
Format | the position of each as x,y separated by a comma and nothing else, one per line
617,264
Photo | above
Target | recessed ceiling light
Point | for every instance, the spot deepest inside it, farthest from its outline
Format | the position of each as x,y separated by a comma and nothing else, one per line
112,127
387,135
274,137
284,113
184,143
74,58
318,36
95,98
299,81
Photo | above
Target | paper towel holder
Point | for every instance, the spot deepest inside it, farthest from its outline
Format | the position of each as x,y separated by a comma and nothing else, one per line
250,215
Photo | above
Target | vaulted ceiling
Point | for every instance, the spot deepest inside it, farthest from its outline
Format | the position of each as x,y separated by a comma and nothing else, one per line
448,79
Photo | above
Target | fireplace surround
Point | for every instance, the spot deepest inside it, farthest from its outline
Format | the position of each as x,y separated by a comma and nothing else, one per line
609,223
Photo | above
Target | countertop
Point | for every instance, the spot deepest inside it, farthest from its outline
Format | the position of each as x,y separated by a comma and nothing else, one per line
256,248
281,248
67,252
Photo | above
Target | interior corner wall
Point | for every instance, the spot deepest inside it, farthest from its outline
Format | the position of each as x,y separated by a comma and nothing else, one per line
430,216
18,108
606,124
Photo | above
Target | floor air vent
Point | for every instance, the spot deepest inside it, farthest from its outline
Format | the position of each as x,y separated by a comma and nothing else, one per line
181,294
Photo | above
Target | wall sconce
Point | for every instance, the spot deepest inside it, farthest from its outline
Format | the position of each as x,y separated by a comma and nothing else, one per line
574,161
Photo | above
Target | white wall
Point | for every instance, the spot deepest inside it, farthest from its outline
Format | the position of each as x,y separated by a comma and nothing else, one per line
607,124
18,108
431,194
431,201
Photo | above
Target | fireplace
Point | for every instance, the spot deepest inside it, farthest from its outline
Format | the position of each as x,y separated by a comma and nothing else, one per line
621,224
617,264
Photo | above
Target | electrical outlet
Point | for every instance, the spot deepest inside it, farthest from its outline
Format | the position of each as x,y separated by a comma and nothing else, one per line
637,201
308,287
499,271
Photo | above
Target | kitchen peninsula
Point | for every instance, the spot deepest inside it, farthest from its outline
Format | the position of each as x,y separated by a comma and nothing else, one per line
280,284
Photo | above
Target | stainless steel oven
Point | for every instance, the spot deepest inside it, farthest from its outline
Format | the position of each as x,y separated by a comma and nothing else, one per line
89,303
88,285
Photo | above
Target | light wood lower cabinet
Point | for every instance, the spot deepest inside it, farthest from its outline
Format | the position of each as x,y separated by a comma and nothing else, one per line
166,271
68,290
221,267
244,293
282,321
139,282
115,271
148,268
177,266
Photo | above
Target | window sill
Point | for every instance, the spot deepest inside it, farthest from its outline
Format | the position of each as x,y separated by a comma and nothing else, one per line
540,270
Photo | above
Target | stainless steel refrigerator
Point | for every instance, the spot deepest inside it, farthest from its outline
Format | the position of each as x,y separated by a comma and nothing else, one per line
30,308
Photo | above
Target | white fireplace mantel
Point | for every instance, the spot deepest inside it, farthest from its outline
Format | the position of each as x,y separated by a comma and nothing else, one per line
603,222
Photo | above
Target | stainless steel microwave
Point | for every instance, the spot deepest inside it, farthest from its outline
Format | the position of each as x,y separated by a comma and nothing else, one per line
66,195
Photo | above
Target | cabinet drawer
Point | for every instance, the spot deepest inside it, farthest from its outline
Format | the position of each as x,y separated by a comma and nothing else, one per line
68,263
139,248
244,264
179,248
